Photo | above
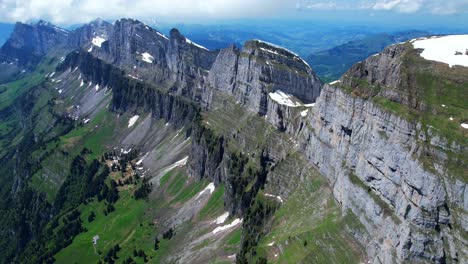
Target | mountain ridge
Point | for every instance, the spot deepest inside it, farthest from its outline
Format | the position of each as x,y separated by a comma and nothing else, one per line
258,123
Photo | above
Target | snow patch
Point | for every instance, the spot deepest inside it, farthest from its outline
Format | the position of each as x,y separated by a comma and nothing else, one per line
97,41
52,74
85,121
133,120
304,113
210,188
274,196
222,218
271,244
125,151
60,91
96,87
234,223
195,44
138,163
134,77
90,49
297,57
451,118
270,51
464,125
446,49
82,83
177,134
179,163
147,57
335,82
162,35
283,98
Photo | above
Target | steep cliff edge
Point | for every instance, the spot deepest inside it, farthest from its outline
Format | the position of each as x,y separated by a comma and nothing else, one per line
388,138
260,68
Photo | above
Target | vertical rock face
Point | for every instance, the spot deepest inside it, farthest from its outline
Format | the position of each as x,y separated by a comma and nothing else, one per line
130,39
29,43
129,94
174,63
383,68
375,161
84,34
367,155
189,64
260,68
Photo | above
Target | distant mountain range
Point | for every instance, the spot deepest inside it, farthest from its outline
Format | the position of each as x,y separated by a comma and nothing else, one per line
332,63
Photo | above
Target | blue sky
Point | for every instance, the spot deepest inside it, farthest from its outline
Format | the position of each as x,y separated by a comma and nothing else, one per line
66,12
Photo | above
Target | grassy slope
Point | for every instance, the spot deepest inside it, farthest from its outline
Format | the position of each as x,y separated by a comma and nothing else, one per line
94,135
131,225
310,228
11,129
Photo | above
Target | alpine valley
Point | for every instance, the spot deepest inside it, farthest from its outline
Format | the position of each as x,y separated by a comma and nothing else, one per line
119,144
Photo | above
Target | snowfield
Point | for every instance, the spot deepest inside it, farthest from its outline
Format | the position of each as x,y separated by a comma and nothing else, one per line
222,218
297,57
195,44
210,188
225,227
179,163
162,35
147,57
284,99
132,120
97,41
274,196
447,49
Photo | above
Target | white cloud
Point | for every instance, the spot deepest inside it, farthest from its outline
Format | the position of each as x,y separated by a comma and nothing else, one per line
76,11
403,6
448,7
439,7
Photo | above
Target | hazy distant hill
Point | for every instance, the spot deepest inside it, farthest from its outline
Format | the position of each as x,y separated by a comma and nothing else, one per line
331,64
5,31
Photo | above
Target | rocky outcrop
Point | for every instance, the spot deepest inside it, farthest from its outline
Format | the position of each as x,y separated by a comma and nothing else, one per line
368,156
83,35
383,68
259,68
211,159
375,162
30,42
129,94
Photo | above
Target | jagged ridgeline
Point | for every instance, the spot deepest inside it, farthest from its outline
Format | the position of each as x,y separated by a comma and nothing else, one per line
122,144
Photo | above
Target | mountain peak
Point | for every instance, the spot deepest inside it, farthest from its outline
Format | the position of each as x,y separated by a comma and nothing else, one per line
99,21
44,23
175,34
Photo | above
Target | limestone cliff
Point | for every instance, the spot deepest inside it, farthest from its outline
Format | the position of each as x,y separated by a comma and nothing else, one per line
376,157
259,68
